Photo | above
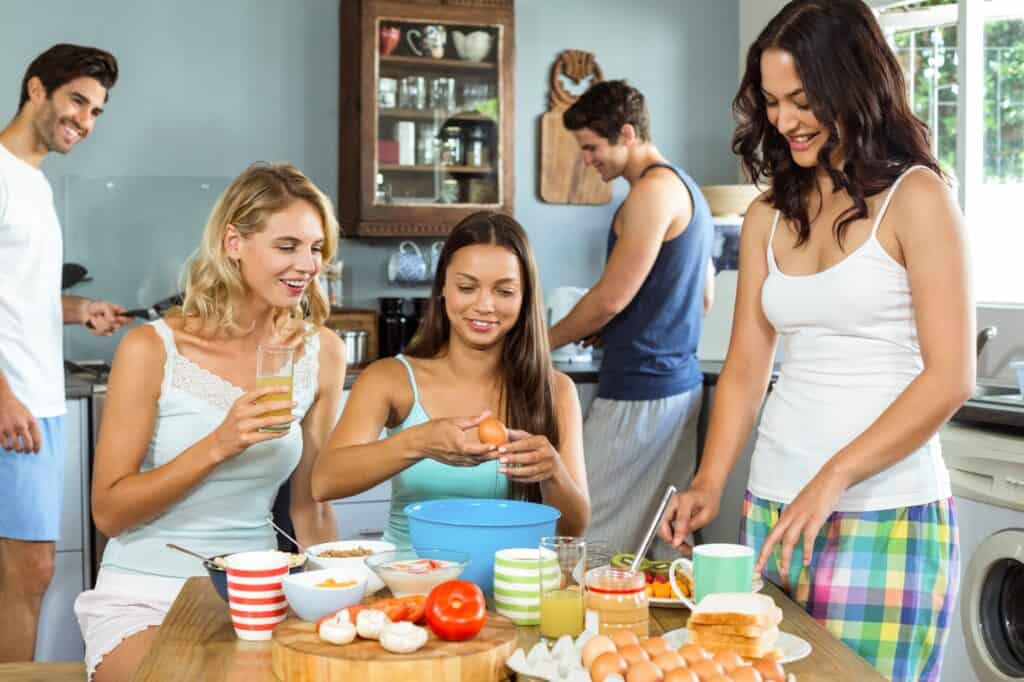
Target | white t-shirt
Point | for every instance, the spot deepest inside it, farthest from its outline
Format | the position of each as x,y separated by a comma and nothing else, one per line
31,320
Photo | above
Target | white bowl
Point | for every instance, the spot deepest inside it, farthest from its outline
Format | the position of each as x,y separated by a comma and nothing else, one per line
373,583
312,603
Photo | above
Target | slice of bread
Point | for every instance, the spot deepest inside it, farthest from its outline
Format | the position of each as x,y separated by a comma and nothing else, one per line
752,631
737,608
700,636
746,651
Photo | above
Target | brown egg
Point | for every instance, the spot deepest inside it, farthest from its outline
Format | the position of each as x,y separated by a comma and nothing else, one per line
707,669
730,660
654,646
493,431
634,653
692,653
720,678
770,670
746,674
594,648
681,675
608,663
644,671
669,660
624,638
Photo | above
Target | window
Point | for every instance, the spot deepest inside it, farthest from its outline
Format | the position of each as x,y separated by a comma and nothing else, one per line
988,115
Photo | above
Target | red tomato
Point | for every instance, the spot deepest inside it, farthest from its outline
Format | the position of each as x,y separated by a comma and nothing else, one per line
415,607
456,610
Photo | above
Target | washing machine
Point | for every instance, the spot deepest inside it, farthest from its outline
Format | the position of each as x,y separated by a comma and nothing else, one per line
986,642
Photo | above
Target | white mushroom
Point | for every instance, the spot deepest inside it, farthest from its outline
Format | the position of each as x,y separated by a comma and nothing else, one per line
402,637
338,629
369,623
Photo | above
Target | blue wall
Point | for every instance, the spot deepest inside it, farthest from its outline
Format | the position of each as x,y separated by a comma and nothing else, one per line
207,87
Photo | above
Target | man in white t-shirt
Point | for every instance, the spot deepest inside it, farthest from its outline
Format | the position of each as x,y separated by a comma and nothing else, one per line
62,93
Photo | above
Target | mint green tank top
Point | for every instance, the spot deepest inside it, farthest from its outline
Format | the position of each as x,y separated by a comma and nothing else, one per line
429,479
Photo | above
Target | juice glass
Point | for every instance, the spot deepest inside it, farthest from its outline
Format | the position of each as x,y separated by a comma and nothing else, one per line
274,367
562,601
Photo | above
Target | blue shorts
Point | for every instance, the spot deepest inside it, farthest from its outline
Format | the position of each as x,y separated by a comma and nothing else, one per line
33,487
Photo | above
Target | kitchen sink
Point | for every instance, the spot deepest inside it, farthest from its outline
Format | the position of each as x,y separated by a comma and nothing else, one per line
998,393
994,404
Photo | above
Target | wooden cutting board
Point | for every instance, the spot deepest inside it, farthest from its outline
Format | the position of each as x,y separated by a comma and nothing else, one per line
564,178
298,655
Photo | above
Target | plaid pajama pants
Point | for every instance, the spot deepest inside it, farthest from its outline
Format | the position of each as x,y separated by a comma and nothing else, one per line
884,582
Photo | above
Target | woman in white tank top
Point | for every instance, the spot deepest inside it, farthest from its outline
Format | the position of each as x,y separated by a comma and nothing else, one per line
181,455
854,258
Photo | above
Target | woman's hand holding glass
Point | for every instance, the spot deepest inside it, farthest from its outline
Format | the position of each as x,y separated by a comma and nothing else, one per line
241,427
447,441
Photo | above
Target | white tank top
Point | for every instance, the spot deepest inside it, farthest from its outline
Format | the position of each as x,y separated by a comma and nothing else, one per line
850,348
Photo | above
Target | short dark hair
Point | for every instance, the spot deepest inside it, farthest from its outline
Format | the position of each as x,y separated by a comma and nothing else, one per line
64,63
606,107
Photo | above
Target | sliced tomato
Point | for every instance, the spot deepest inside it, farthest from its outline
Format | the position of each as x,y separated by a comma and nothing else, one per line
456,610
394,608
415,607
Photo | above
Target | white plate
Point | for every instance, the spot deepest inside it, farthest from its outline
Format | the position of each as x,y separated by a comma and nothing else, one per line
793,648
666,603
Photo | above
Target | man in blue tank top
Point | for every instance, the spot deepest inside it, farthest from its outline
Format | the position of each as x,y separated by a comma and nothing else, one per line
640,434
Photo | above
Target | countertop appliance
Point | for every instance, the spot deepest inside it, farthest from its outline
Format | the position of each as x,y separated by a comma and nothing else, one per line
986,641
560,301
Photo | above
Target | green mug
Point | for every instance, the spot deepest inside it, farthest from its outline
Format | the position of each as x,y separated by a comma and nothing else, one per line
715,568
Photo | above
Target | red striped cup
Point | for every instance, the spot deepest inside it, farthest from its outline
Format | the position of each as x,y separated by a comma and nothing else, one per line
255,598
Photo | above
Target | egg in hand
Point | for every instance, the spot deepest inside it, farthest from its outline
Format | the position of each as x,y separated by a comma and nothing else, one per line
492,431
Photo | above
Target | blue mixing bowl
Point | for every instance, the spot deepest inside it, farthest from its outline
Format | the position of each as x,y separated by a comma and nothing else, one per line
480,528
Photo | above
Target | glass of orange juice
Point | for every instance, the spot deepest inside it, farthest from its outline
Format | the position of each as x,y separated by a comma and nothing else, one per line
561,601
274,367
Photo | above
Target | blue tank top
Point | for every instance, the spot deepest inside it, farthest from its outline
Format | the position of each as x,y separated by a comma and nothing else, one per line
650,348
429,479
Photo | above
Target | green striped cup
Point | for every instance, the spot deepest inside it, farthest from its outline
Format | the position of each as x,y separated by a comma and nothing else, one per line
517,582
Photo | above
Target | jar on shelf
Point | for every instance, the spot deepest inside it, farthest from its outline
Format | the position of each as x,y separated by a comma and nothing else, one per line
476,148
387,93
619,598
451,146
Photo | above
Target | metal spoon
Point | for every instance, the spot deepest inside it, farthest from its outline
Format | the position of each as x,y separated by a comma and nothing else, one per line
649,537
278,528
188,551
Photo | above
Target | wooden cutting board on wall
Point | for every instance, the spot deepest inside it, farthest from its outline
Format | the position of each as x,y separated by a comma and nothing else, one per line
564,178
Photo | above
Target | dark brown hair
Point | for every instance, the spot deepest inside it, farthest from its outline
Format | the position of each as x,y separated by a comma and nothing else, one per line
607,106
64,63
855,87
527,400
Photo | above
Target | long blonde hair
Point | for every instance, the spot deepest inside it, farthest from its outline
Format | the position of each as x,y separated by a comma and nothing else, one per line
213,282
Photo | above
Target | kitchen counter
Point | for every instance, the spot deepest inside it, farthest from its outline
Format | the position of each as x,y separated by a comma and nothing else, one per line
197,642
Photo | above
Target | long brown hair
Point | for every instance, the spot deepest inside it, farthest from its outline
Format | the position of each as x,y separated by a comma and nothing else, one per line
527,396
854,84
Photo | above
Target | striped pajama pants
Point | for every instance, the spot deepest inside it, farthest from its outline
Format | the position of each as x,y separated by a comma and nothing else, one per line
634,449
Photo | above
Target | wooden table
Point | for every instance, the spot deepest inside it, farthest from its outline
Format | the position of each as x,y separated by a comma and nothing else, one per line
197,642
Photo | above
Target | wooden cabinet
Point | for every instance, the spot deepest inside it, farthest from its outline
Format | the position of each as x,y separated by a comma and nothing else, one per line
427,114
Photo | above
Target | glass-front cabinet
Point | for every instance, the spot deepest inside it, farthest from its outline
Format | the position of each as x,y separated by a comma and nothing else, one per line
426,114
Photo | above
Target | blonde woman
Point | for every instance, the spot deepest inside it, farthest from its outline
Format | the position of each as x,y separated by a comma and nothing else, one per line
181,457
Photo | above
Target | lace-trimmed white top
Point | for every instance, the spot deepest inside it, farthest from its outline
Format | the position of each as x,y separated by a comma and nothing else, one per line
227,511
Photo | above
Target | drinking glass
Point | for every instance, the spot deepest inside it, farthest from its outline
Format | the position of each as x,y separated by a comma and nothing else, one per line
562,602
274,367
